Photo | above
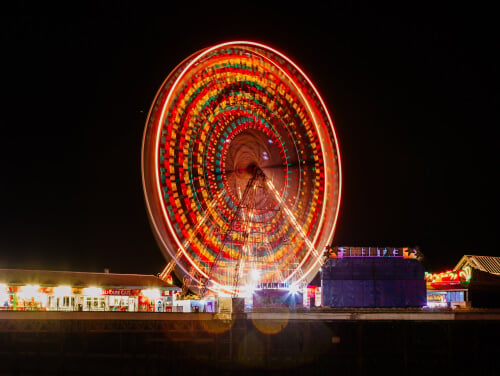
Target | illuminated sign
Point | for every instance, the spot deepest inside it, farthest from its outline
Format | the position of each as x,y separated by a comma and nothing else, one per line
273,285
341,252
119,292
448,278
436,298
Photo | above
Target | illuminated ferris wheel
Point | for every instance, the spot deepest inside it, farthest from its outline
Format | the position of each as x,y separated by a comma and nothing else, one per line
241,170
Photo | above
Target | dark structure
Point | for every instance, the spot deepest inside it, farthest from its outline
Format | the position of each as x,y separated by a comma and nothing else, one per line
373,282
82,343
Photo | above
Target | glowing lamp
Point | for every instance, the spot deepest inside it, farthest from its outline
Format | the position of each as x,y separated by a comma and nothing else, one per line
62,291
294,288
30,291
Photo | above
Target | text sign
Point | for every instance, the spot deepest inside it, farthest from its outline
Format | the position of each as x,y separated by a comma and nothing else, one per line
340,252
120,292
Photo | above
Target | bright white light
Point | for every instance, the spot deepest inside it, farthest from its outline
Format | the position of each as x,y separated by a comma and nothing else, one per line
152,293
30,291
3,293
42,298
62,291
255,274
92,291
294,288
248,288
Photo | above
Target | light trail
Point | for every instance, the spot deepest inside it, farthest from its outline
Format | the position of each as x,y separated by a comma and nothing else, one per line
298,228
171,265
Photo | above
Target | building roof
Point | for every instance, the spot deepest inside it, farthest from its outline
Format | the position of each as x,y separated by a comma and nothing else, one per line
488,264
80,279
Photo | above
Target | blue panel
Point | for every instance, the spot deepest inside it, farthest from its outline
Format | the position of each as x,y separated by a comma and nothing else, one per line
373,282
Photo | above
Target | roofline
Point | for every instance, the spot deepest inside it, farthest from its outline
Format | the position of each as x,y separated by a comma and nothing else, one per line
69,271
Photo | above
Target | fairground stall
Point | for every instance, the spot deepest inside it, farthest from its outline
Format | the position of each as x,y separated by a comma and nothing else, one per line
45,290
447,289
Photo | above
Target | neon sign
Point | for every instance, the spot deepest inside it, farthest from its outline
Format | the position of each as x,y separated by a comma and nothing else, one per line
449,277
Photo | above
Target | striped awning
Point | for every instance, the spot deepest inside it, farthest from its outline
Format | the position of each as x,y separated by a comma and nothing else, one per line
488,264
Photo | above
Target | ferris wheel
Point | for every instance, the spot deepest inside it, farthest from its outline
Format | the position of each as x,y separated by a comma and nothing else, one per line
241,170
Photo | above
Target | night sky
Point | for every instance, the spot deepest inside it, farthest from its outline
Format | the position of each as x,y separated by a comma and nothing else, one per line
411,92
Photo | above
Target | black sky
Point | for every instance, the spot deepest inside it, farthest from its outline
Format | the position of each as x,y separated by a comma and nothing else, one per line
411,90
